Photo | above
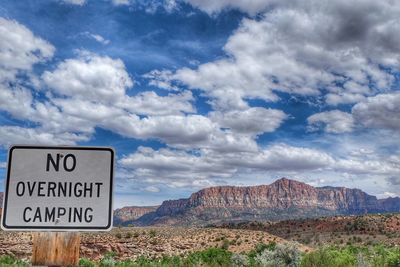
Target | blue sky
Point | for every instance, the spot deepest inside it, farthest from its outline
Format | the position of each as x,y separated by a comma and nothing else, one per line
202,93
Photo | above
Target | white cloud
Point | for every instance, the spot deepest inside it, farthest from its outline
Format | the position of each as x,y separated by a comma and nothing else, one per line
334,121
98,38
20,49
120,2
90,77
285,157
3,165
152,189
18,135
212,7
299,48
200,168
255,120
381,111
75,2
149,103
205,166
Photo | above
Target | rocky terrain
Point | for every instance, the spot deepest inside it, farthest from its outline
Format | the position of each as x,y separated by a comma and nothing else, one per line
338,230
283,199
133,242
128,214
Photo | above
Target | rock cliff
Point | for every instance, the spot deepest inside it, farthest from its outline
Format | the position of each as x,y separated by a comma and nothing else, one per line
283,199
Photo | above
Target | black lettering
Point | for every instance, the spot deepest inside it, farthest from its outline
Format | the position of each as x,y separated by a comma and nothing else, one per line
78,213
49,216
88,217
73,163
24,216
87,188
60,212
78,193
70,189
56,165
51,188
62,188
37,215
31,188
69,214
40,189
19,193
98,188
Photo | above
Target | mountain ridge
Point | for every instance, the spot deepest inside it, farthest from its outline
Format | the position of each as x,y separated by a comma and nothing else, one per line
282,199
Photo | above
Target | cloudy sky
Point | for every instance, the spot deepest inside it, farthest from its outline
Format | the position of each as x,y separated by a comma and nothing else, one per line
196,93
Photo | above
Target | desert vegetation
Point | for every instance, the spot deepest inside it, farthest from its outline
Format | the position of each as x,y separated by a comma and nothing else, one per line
263,255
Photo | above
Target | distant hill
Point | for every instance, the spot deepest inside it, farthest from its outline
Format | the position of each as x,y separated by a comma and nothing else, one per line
283,199
126,215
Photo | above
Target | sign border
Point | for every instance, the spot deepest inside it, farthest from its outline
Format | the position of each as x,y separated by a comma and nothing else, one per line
109,226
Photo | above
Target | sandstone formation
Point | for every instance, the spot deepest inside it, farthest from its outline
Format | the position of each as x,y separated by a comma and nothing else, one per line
127,214
283,199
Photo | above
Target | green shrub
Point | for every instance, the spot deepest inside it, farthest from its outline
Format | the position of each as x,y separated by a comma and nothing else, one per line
128,235
210,257
118,235
7,260
86,263
240,260
329,257
152,233
284,255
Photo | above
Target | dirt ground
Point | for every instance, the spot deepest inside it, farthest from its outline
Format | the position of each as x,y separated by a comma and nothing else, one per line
132,242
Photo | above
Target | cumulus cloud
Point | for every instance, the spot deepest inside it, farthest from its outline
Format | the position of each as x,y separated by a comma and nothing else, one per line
91,91
90,77
254,120
120,2
334,121
97,37
301,47
20,49
208,164
251,7
199,167
381,111
18,135
75,2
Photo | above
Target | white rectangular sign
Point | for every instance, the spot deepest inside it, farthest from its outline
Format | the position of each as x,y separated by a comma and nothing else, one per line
58,189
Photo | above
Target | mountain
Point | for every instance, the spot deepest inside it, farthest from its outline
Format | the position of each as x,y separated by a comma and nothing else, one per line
128,214
1,199
283,199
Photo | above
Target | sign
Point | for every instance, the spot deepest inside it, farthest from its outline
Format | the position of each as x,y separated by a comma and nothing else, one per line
58,188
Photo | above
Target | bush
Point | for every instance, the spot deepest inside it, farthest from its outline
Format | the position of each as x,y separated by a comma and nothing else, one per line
225,244
108,260
152,233
284,255
86,263
240,260
118,235
8,260
128,235
210,257
329,257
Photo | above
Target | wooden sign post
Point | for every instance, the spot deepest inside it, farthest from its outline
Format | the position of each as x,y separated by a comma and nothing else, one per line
56,248
58,191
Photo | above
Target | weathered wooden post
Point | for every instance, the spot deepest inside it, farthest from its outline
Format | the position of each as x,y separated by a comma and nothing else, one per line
58,191
55,248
